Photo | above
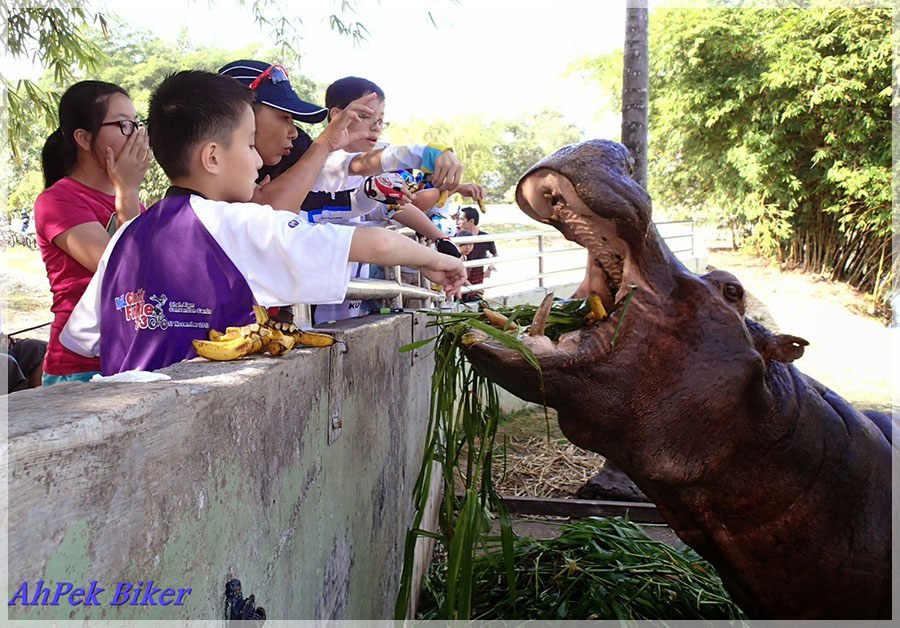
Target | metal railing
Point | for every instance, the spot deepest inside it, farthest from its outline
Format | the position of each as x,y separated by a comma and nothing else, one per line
671,231
678,234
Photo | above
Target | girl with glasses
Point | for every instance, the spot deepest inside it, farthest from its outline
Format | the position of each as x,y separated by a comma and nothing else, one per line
93,166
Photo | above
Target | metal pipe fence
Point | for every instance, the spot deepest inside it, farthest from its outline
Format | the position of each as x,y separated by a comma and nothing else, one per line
678,234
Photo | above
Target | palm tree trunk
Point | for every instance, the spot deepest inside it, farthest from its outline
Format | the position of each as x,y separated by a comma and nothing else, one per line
635,87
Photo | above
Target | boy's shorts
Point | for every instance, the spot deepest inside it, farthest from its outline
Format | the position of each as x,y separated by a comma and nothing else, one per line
83,376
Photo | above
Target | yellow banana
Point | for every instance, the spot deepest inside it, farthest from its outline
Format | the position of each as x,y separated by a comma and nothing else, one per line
264,335
481,206
473,337
598,312
222,350
442,198
497,319
313,339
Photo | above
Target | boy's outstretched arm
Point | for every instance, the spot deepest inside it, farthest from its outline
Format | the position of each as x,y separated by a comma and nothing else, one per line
386,248
290,189
446,168
410,216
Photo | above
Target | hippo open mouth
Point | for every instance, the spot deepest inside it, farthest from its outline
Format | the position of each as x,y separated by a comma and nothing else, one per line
772,477
586,192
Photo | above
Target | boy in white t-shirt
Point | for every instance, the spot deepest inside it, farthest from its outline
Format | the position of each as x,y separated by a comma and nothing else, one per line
200,258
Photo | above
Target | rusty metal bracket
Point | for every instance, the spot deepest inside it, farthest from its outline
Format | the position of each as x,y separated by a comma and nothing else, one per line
336,389
413,328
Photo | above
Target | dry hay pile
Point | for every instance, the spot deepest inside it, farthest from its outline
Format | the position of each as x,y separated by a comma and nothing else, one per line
541,467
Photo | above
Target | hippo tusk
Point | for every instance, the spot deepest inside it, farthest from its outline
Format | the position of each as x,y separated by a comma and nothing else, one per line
539,322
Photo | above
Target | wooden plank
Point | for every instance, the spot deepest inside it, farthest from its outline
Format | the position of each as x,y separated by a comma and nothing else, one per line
643,512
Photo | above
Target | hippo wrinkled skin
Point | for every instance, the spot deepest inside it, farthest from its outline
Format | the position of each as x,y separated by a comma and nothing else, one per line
773,478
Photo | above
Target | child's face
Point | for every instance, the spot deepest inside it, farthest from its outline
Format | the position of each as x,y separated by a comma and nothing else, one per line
275,131
239,162
371,126
118,108
465,249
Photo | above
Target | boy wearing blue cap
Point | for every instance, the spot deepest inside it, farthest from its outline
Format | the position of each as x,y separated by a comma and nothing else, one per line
280,142
203,256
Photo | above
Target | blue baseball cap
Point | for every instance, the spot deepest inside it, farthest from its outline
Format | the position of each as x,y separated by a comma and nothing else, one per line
272,87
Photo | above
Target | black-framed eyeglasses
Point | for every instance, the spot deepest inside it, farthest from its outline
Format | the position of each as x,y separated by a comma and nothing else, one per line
373,123
127,127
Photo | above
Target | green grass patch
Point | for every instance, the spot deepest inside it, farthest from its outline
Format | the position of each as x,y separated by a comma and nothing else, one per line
597,569
23,302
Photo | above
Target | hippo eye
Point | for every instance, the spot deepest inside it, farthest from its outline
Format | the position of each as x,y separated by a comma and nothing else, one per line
733,292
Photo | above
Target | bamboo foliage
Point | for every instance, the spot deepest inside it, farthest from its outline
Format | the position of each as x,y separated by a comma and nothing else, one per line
777,123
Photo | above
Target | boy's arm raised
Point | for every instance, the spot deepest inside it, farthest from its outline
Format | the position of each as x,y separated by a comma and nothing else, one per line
289,189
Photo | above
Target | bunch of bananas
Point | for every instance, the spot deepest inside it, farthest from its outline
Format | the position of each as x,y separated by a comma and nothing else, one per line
263,335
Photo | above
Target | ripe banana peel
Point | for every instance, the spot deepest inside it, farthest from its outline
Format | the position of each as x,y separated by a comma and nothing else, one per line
278,344
275,337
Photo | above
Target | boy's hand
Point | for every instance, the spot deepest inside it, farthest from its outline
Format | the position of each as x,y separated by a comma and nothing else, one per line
472,190
447,271
126,171
447,172
337,135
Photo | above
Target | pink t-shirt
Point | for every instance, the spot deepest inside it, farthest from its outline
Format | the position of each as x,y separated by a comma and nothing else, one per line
66,204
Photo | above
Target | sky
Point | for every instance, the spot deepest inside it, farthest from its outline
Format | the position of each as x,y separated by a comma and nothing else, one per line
498,57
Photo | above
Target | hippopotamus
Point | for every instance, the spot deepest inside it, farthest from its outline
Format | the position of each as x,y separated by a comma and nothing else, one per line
776,480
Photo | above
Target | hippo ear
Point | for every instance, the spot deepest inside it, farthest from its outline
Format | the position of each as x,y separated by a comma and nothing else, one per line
780,347
777,347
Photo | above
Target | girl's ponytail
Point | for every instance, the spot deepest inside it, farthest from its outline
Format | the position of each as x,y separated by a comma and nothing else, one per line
57,157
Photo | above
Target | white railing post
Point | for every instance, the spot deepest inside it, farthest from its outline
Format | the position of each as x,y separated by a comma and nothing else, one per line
398,276
540,239
302,315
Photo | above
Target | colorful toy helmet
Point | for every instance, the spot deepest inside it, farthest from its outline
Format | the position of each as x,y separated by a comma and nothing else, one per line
385,188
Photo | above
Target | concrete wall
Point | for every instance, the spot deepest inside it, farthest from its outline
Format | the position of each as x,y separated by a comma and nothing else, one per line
230,470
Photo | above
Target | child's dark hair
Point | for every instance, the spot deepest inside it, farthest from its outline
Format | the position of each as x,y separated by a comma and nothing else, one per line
190,107
82,106
471,213
344,91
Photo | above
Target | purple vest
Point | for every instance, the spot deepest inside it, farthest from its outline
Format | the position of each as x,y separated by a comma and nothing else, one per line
167,282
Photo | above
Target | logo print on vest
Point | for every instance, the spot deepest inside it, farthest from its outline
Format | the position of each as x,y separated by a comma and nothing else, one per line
144,315
293,223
